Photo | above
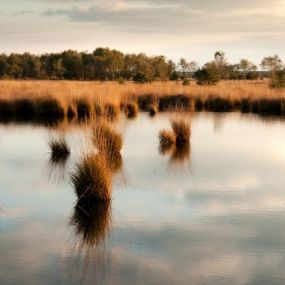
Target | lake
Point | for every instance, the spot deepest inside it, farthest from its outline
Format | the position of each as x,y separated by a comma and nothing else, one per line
214,214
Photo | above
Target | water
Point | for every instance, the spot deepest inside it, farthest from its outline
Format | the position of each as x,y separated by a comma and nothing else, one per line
217,217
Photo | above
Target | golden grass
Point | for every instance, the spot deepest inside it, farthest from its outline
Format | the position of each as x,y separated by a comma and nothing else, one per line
92,178
115,93
181,130
104,98
166,139
109,144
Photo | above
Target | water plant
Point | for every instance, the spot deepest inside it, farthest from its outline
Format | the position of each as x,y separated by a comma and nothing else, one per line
92,178
59,150
181,130
109,144
131,110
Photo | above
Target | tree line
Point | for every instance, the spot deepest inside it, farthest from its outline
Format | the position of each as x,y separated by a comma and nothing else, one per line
111,64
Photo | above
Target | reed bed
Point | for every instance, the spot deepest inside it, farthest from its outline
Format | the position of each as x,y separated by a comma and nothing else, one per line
57,99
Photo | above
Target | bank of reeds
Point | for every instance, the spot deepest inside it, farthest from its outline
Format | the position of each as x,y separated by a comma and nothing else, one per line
53,100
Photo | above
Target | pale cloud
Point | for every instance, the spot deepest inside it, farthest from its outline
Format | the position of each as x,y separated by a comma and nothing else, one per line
176,28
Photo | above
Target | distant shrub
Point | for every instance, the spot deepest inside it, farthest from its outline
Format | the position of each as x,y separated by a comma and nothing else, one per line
121,80
140,77
186,82
279,80
208,75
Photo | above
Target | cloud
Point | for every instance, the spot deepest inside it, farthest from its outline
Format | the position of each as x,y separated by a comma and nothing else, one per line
182,17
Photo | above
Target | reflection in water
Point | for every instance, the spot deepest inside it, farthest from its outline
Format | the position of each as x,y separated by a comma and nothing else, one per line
225,223
92,222
56,170
179,154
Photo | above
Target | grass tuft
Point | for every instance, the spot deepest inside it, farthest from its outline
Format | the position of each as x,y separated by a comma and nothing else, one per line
131,110
111,111
59,150
84,109
109,143
181,131
166,138
92,178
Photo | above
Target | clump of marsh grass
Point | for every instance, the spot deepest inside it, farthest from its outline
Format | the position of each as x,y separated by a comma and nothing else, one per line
111,111
92,178
84,109
145,101
152,110
98,110
71,112
109,144
59,150
131,110
181,130
176,142
166,138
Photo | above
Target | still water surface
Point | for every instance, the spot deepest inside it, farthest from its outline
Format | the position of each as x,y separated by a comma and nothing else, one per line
217,217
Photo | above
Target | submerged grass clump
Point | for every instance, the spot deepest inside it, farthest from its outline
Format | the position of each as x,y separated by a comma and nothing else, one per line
92,178
59,150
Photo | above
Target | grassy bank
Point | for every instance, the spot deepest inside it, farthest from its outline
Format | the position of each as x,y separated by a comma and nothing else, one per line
57,100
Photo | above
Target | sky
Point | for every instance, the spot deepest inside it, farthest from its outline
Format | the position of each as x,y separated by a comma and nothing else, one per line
193,29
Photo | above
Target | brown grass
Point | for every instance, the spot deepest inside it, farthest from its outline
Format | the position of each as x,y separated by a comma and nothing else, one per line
56,97
92,178
109,144
181,130
166,138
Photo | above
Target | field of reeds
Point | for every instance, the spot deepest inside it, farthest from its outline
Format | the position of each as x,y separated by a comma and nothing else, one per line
48,100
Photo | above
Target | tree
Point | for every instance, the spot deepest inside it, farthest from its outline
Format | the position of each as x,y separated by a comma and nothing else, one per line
274,65
183,64
221,64
140,77
208,75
